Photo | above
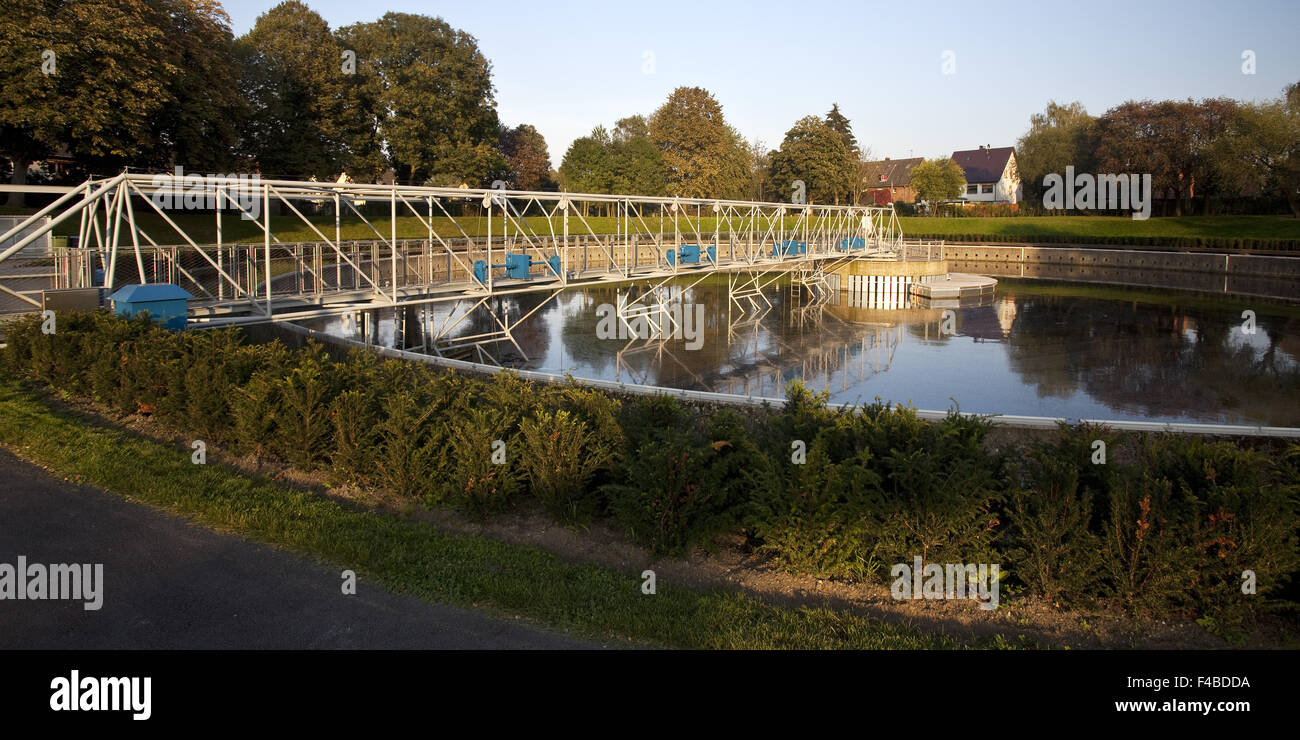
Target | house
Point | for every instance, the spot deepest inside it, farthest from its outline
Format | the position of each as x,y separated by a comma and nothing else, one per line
889,181
991,174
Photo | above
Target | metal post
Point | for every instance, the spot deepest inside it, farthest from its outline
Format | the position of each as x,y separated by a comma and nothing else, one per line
221,284
266,243
393,239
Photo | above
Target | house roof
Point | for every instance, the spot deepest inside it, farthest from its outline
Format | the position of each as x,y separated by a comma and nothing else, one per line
148,293
983,165
897,172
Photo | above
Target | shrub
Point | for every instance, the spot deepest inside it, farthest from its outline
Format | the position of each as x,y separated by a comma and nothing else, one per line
1051,542
938,486
303,426
477,484
401,463
560,455
815,516
353,417
255,410
1234,510
683,488
1148,559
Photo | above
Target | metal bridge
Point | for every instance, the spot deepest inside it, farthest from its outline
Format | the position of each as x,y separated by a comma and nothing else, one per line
472,246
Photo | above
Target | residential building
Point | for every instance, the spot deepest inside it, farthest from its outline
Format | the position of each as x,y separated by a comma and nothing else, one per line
991,174
890,181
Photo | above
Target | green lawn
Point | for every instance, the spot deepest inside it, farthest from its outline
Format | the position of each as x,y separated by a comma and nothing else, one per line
1117,227
1173,231
411,557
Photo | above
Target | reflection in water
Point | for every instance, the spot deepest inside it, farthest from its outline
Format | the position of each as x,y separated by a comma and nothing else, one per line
1068,356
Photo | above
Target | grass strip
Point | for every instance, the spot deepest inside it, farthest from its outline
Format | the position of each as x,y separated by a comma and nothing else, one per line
416,558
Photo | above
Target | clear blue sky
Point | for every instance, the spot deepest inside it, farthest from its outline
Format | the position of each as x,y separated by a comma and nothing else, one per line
567,66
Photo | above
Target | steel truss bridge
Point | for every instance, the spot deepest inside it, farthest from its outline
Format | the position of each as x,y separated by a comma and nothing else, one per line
475,247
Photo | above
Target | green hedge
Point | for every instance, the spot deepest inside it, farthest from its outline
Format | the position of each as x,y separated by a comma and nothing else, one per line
1210,243
1170,530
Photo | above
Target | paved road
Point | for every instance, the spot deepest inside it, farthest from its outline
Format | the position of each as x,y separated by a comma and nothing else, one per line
169,584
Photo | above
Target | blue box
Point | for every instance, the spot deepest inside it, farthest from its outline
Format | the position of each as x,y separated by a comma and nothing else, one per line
165,303
518,265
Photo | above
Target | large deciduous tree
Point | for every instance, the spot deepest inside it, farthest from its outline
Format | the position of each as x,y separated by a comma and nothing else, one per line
588,165
938,180
1170,140
119,82
1059,137
814,153
529,161
425,91
1260,150
293,78
703,156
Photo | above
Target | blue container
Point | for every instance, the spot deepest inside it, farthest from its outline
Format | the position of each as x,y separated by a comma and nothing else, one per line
165,303
690,254
480,271
554,263
856,242
713,254
672,256
788,247
518,265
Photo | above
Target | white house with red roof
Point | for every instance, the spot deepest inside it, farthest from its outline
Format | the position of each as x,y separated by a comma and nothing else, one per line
991,174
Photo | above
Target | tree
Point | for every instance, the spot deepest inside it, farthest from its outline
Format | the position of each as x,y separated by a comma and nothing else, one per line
137,82
1060,136
703,156
816,154
292,77
637,163
760,165
425,91
1260,151
530,163
1171,140
840,125
199,128
588,165
632,127
938,180
862,170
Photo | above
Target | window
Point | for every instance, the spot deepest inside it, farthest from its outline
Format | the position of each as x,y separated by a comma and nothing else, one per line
882,178
986,189
972,189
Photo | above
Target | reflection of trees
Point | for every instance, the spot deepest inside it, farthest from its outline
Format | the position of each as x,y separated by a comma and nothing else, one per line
1158,361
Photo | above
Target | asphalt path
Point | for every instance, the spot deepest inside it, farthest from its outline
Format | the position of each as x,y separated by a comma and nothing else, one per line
170,584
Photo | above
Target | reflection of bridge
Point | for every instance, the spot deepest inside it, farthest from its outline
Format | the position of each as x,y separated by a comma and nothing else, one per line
474,244
838,342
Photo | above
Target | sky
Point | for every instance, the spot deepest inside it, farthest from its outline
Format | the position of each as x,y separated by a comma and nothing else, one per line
914,78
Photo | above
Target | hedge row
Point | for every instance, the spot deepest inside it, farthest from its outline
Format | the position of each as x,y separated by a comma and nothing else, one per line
827,492
1170,242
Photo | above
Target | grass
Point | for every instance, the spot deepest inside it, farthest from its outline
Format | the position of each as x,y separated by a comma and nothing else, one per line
1023,228
416,558
1116,229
